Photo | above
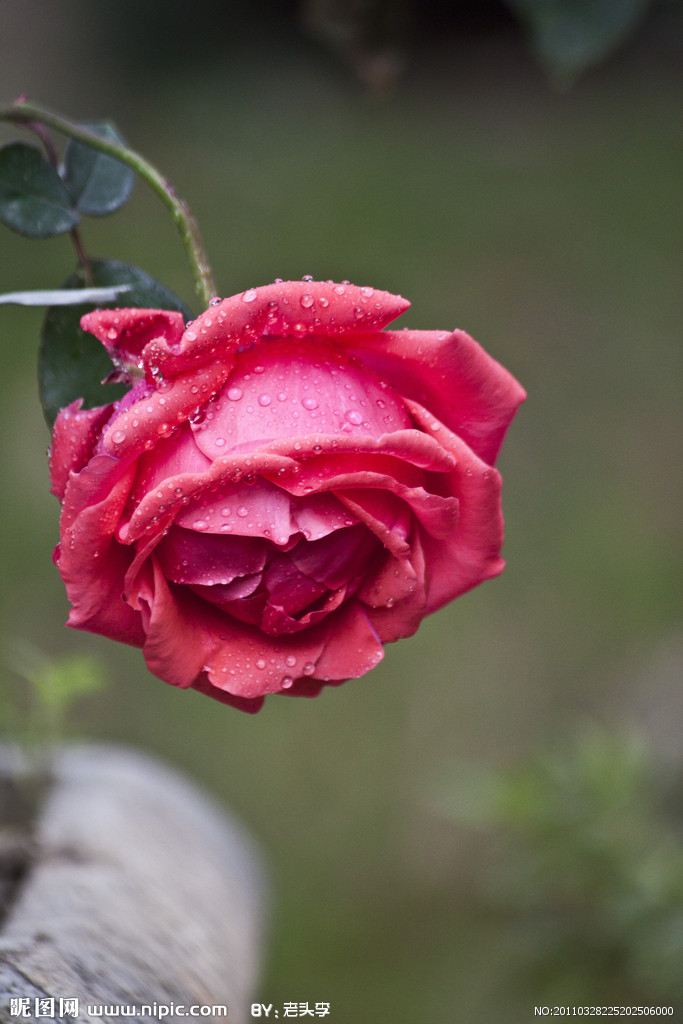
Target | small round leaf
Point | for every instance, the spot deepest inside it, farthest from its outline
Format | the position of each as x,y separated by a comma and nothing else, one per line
98,184
33,198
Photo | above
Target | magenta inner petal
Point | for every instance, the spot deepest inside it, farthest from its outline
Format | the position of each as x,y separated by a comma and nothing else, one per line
256,509
288,588
336,559
320,514
189,557
295,388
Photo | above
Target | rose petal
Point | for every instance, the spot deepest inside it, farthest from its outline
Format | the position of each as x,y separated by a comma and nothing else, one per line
192,491
285,309
176,640
249,664
156,415
471,554
92,565
335,559
186,556
259,509
318,515
289,388
452,376
125,332
75,436
404,615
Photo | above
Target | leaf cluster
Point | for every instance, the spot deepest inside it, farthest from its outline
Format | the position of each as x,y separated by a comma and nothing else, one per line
40,198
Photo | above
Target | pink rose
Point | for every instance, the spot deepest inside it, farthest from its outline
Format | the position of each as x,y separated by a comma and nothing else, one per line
285,488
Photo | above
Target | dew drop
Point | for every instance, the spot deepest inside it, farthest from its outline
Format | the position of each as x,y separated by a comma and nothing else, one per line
290,660
226,511
234,394
307,301
309,403
118,436
260,663
200,524
249,295
353,416
219,442
308,669
264,400
242,511
286,682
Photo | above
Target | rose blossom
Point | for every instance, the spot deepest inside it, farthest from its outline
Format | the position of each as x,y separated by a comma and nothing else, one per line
285,487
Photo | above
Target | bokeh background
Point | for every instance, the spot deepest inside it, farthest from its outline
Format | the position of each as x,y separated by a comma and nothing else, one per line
491,819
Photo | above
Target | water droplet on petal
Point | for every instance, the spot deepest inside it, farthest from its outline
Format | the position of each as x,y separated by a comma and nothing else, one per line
353,416
249,295
290,660
309,403
308,669
306,300
200,524
234,394
286,682
242,511
264,400
260,663
118,436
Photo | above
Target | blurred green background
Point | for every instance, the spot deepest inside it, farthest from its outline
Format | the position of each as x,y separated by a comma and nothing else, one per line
491,819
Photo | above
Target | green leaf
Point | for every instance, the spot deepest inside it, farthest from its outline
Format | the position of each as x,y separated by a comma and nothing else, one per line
71,363
571,35
98,184
33,198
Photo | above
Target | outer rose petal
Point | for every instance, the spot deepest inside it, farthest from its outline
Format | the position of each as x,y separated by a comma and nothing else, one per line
125,332
452,376
75,435
283,309
91,563
471,554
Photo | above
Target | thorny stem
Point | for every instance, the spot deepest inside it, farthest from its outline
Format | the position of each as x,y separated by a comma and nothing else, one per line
24,112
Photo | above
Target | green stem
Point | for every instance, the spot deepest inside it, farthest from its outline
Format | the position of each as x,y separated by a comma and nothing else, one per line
24,112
